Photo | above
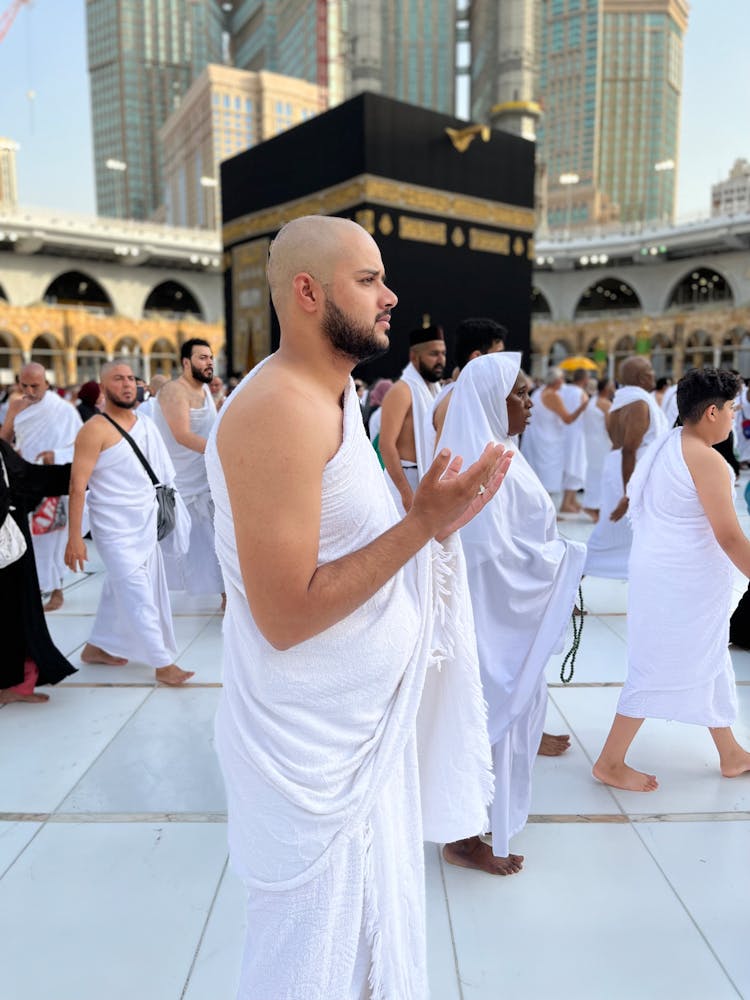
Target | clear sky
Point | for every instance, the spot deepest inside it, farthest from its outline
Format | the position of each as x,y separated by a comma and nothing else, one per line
45,52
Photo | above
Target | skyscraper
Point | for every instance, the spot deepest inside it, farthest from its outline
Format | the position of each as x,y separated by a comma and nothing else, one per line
142,56
400,48
608,75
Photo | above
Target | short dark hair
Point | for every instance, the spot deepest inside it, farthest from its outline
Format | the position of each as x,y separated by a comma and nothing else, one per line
602,383
662,383
703,387
186,351
477,335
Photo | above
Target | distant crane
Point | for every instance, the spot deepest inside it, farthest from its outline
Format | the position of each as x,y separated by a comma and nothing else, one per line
8,16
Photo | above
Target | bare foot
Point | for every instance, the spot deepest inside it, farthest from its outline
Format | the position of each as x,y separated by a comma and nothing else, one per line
9,695
592,513
577,611
55,601
474,853
95,654
223,601
735,765
553,746
173,675
622,776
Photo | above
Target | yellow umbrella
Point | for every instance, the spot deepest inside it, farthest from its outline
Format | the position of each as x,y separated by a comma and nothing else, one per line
576,364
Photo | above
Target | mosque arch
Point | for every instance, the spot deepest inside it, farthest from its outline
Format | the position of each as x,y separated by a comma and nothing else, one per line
699,350
540,307
10,356
559,351
735,351
163,357
91,354
78,289
624,347
47,351
129,349
172,298
607,294
662,355
700,286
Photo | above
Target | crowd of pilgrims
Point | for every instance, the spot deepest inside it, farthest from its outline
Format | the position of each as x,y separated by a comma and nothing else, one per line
568,464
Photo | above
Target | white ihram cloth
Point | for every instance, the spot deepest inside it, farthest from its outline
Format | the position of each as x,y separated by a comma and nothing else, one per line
610,541
197,571
49,425
679,600
318,748
574,471
422,398
134,618
543,445
523,579
598,446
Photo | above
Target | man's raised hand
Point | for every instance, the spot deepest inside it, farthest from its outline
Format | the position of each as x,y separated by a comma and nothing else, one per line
447,499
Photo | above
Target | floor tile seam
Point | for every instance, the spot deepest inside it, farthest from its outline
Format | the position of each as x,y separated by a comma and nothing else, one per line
22,851
104,749
204,928
449,915
154,685
639,834
221,817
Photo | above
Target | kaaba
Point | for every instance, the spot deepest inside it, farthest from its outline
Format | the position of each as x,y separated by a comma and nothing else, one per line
450,206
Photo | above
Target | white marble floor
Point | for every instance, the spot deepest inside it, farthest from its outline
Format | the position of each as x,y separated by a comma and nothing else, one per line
113,866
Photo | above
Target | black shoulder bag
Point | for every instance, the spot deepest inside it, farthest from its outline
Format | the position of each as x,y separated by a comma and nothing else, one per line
165,495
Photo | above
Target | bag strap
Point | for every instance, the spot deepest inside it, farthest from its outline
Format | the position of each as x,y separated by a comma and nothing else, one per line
139,454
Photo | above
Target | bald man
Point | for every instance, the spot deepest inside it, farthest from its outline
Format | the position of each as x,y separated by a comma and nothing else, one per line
407,440
44,427
134,618
635,419
327,636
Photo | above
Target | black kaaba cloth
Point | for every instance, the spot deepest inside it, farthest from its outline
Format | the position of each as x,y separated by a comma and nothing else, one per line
454,228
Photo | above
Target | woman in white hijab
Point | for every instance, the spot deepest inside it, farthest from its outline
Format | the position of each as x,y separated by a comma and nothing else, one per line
523,580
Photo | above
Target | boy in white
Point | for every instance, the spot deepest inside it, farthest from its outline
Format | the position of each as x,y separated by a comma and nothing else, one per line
685,538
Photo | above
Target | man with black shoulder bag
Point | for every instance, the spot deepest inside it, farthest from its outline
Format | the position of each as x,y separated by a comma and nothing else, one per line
132,504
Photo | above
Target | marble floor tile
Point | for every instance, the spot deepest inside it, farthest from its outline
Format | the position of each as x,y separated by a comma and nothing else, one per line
601,658
683,757
216,972
707,865
162,761
606,597
563,785
441,958
110,910
14,838
45,749
589,917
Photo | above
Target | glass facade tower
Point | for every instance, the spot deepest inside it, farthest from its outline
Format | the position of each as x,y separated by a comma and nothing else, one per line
400,48
143,56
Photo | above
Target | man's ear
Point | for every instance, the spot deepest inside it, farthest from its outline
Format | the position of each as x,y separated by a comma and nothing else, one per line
306,291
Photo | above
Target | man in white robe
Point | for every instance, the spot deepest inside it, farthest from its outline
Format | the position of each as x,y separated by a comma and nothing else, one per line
134,618
686,538
523,579
543,443
148,406
332,601
406,437
184,413
572,394
45,427
635,420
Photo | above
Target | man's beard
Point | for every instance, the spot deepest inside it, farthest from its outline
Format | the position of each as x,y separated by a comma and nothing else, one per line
431,374
122,403
201,376
348,336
